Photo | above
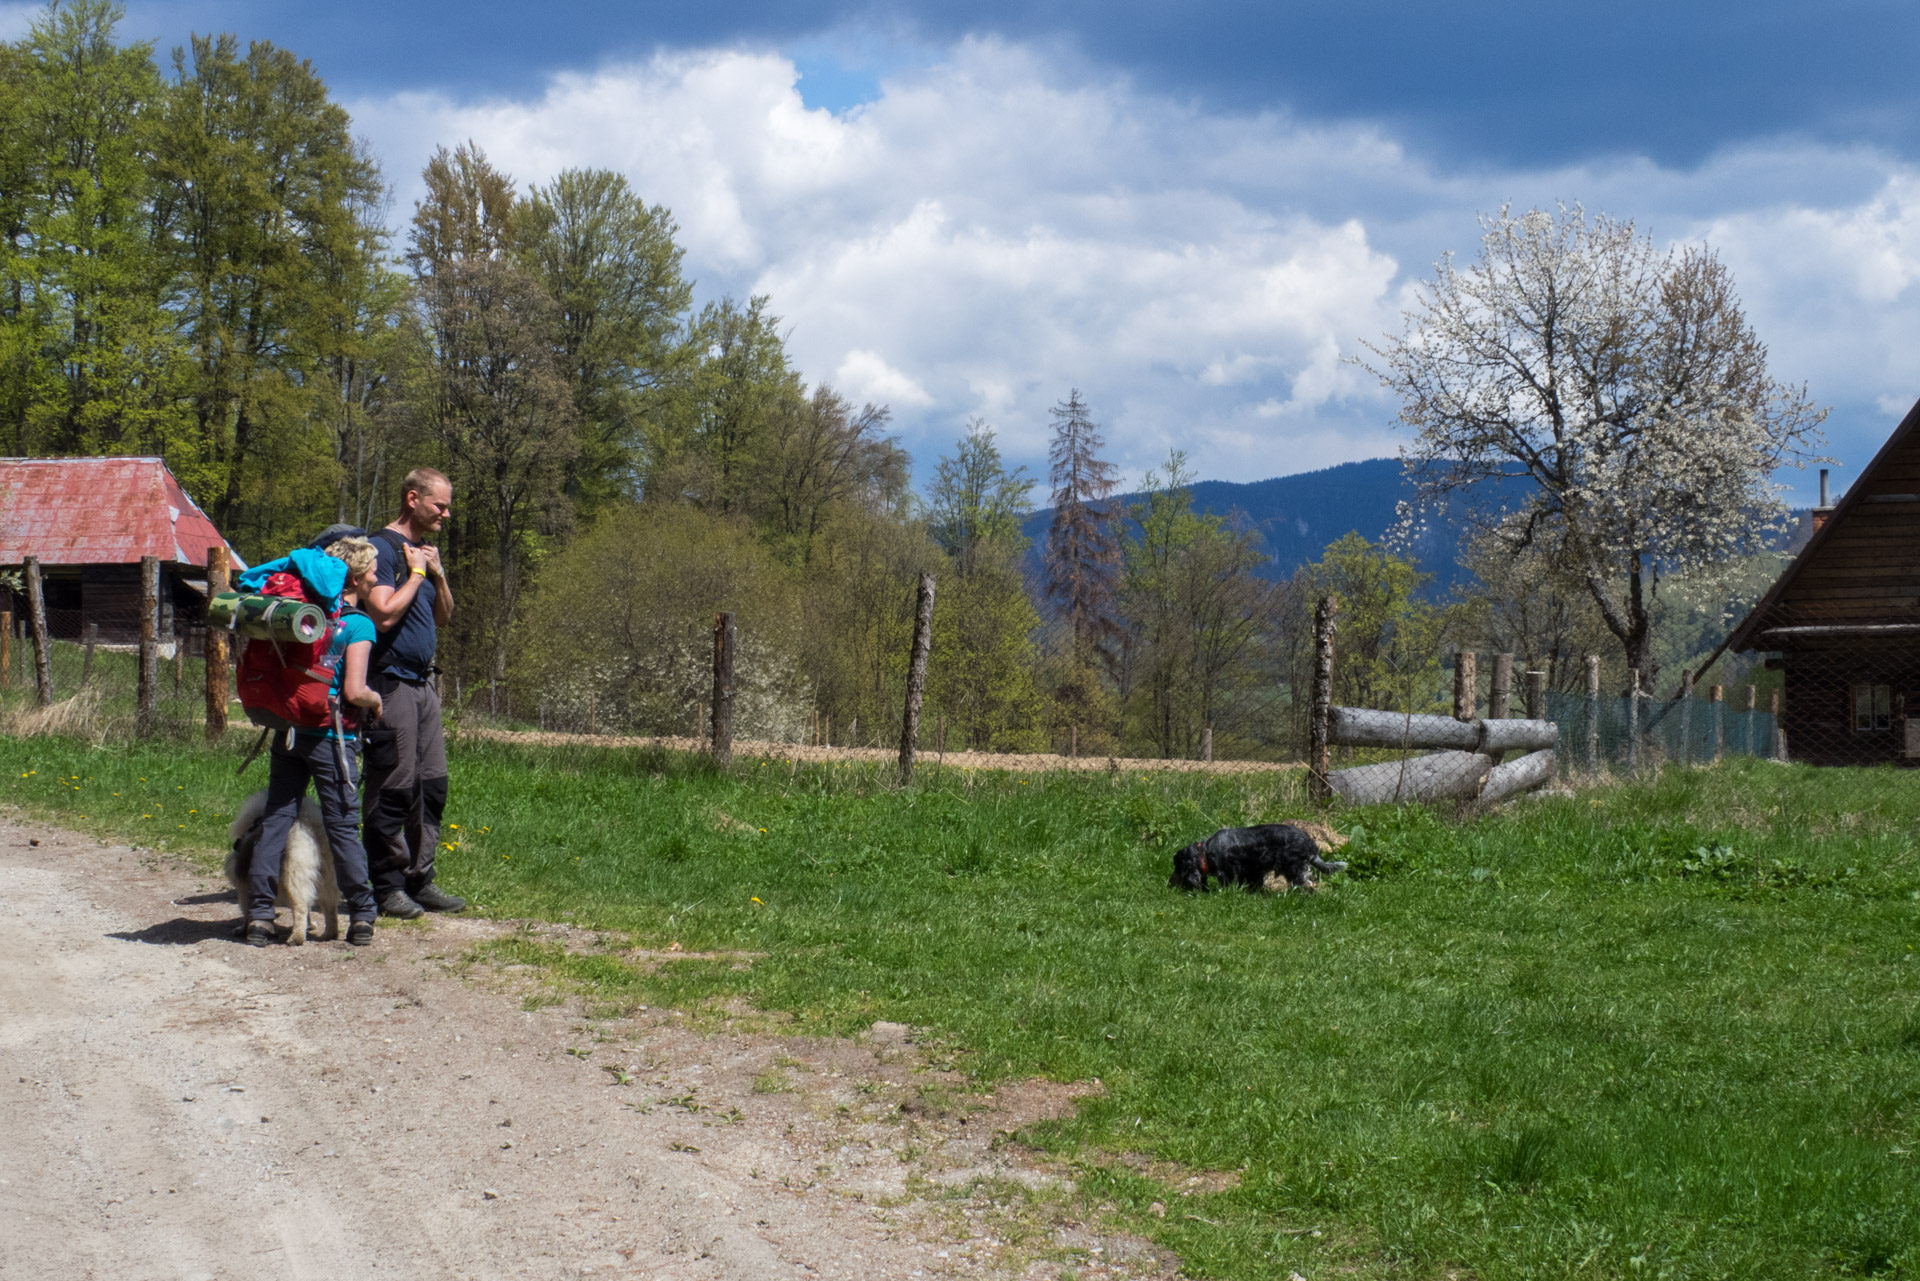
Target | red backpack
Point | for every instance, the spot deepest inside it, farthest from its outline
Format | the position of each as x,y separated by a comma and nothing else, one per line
285,684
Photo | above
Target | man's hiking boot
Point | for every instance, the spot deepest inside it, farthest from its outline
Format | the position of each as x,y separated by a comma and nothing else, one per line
435,899
398,904
360,933
259,933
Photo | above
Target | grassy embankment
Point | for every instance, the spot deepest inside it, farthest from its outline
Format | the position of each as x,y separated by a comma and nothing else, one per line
1660,1031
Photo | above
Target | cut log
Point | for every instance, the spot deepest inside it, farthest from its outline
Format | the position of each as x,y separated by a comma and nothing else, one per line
1418,778
1506,780
1514,736
1365,727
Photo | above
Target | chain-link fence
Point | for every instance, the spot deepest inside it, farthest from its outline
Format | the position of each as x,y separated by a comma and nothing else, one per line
1480,728
1619,734
95,677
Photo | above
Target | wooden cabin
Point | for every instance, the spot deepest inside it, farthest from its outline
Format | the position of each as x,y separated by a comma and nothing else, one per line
90,520
1842,622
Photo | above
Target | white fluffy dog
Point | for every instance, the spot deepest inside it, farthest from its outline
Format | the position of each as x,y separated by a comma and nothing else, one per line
306,872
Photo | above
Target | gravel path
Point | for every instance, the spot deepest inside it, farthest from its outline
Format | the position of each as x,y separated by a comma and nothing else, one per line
1018,762
183,1107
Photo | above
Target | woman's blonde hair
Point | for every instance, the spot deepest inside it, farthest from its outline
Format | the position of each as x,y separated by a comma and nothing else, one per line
357,552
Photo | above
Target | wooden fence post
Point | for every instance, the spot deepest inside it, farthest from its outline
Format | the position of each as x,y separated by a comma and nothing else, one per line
1746,733
1325,616
723,636
1536,696
1593,713
1206,743
1686,718
1466,694
37,612
916,677
149,644
941,732
1073,742
1500,697
1633,721
1779,732
86,655
1714,693
6,648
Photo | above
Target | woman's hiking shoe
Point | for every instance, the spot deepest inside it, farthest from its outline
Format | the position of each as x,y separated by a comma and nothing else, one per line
259,933
360,933
435,899
398,904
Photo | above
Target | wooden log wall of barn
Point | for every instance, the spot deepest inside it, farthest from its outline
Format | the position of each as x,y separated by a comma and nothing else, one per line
1844,617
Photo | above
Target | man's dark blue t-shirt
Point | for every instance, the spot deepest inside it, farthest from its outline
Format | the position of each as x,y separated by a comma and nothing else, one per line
406,650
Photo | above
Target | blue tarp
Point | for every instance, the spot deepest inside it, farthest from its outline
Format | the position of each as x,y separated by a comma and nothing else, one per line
324,575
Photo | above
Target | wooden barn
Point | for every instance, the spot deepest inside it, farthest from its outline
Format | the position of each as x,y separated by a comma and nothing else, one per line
90,520
1842,622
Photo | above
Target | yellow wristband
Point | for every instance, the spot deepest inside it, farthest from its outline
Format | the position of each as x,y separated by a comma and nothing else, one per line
419,573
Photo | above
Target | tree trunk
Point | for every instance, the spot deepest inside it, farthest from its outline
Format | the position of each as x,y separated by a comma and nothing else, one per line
723,646
217,575
37,615
148,688
1325,617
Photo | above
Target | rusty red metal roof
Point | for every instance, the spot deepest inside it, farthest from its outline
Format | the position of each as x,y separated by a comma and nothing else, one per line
100,511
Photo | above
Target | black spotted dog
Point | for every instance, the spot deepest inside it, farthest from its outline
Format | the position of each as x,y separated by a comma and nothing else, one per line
1252,857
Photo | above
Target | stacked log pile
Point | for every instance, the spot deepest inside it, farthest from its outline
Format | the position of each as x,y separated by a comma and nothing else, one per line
1464,759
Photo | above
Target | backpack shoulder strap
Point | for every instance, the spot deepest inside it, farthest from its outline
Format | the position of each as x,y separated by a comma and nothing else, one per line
393,539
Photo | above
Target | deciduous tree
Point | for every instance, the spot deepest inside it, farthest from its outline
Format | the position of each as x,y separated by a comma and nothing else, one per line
90,334
260,182
613,269
493,392
1625,386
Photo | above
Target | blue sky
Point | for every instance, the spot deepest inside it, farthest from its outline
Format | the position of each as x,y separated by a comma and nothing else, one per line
1193,213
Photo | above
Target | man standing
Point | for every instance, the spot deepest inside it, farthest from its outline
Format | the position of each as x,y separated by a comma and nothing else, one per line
407,781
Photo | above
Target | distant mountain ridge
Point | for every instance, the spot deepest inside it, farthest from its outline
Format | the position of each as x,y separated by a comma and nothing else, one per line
1297,516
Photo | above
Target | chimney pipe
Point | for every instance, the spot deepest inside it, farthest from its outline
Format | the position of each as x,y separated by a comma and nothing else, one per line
1823,488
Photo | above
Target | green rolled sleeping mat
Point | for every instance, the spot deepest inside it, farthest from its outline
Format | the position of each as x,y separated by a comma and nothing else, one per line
277,618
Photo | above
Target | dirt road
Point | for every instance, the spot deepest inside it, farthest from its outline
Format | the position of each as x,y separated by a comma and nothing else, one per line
180,1106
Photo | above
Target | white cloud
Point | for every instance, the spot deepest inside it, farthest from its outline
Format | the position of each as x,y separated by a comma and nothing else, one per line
994,229
865,376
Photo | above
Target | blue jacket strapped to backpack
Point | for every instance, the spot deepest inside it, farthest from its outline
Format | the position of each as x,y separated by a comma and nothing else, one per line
325,575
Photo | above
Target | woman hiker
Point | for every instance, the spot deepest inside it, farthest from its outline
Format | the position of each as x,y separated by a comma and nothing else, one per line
304,755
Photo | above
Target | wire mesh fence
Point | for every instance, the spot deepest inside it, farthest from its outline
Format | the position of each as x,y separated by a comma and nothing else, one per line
1394,724
95,681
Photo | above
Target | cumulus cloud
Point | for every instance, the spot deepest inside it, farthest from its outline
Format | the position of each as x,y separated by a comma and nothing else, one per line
994,229
866,376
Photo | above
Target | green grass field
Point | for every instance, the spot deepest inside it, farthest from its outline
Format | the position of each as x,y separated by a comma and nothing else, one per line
1665,1031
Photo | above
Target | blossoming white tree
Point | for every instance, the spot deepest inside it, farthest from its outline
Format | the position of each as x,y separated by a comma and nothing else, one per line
1620,392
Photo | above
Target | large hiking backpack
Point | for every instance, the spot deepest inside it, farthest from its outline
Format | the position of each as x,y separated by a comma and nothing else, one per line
287,683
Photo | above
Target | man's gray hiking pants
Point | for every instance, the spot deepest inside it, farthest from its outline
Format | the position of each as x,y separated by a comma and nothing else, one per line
405,801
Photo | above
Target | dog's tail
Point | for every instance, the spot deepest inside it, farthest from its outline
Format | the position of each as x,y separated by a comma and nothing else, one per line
1325,866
